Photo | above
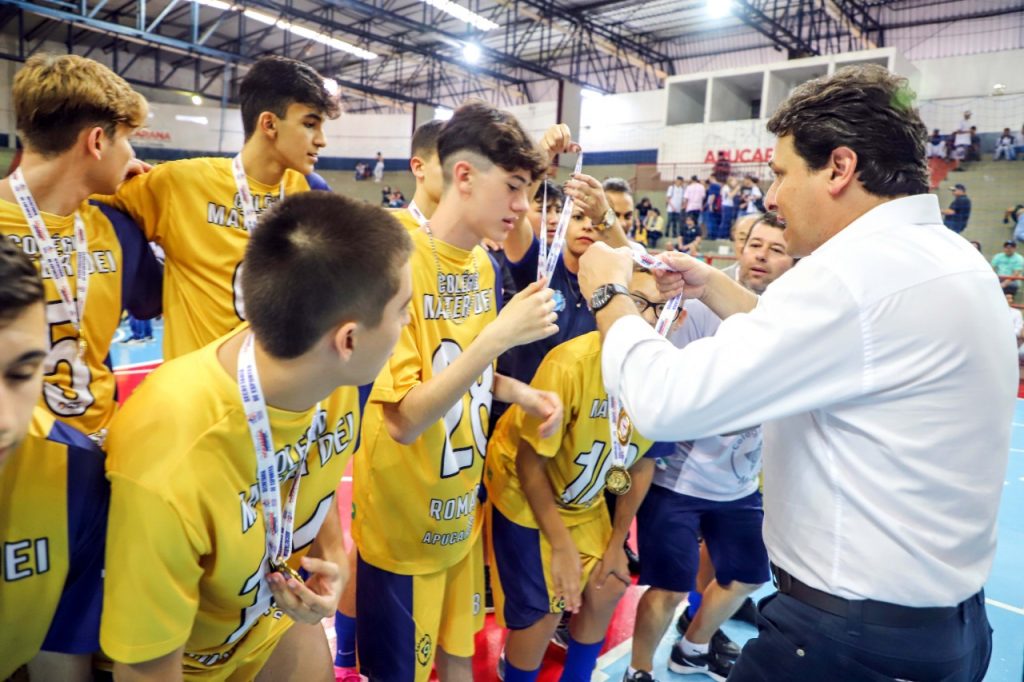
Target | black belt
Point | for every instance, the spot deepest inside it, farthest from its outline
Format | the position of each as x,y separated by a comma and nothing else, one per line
871,612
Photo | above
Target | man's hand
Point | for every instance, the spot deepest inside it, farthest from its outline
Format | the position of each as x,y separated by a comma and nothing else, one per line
136,167
602,264
588,194
558,139
543,405
313,601
566,574
688,276
528,317
613,566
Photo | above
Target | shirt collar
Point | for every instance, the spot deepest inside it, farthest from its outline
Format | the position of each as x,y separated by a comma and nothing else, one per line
918,209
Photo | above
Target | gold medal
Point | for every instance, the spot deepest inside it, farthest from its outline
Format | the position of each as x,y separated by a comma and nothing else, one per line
623,428
285,570
82,347
617,480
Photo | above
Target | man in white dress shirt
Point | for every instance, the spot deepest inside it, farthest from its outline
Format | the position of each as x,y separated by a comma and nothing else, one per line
881,493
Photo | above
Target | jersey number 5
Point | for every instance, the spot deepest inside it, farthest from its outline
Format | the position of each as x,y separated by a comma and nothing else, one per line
70,397
455,459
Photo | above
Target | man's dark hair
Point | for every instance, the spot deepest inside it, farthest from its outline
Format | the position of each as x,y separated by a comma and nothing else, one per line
274,83
771,218
424,139
20,285
617,185
319,259
494,134
555,193
868,109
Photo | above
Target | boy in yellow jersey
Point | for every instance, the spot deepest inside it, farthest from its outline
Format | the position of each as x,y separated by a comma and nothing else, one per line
554,547
75,118
202,211
426,167
204,537
417,476
53,501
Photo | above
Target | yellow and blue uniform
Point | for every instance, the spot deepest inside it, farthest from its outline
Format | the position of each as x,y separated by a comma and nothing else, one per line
405,216
186,552
417,519
125,274
53,519
580,456
192,209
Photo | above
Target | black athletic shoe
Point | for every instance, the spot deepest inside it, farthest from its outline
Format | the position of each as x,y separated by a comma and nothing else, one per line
561,636
720,642
632,560
638,676
747,612
711,664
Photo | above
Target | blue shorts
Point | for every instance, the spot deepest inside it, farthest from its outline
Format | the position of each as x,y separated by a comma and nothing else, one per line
669,528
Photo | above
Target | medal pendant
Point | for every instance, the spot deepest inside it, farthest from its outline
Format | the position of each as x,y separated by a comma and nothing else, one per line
285,570
623,428
617,480
82,347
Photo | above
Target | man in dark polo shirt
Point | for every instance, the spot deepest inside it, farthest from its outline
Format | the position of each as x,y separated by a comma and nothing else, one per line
959,211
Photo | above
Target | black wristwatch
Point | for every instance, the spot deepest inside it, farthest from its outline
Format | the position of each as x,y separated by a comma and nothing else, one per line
604,294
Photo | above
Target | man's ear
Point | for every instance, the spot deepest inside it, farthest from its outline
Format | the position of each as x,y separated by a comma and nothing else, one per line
94,139
463,175
344,340
267,123
416,166
843,169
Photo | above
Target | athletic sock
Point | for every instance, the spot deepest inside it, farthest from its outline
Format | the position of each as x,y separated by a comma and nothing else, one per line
345,627
580,661
691,649
514,674
693,604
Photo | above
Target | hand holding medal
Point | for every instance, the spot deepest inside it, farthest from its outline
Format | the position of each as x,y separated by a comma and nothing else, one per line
307,601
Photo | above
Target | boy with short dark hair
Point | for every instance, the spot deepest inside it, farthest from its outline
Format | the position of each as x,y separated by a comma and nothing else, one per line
202,211
206,538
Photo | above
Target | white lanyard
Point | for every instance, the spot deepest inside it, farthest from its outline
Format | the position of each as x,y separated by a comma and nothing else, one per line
548,258
618,421
245,194
51,260
278,525
417,213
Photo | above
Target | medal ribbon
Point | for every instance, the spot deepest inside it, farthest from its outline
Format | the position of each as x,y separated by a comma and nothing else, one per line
278,524
665,320
50,258
249,215
417,213
549,256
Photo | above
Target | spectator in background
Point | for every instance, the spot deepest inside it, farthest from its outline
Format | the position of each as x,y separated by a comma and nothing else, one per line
1015,215
729,191
750,197
694,197
962,139
378,168
654,226
1007,265
959,211
712,216
1004,146
361,171
690,239
1018,142
385,196
974,151
722,169
739,232
936,148
674,206
641,210
976,244
620,199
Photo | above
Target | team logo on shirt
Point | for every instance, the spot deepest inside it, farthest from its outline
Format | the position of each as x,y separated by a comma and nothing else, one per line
559,299
424,649
557,604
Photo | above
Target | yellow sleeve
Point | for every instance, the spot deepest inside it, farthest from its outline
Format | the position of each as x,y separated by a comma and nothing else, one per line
138,198
151,588
403,371
555,377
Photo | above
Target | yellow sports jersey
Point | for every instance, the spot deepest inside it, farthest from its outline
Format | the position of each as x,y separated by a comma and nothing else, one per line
192,209
186,552
80,391
405,216
416,505
579,449
53,518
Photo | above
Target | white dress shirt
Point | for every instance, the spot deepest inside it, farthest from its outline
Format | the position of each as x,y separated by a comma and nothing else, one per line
674,198
886,400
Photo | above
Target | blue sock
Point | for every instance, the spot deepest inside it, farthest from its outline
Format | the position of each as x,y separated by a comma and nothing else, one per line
691,609
514,674
345,627
580,661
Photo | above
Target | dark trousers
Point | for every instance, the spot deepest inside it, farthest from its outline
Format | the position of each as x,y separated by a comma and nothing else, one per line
799,643
675,224
141,329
